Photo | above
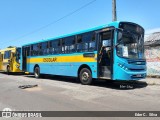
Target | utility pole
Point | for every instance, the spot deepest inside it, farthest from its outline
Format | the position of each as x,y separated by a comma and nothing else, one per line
114,12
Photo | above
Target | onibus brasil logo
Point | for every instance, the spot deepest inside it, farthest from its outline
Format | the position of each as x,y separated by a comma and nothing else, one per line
6,113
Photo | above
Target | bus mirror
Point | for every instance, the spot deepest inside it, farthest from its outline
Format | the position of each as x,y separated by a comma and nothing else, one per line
119,40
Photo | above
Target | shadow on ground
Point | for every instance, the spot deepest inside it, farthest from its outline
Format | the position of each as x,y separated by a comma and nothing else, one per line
119,85
15,74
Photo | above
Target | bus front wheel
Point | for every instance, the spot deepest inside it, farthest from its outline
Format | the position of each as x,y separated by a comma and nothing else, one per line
85,76
37,72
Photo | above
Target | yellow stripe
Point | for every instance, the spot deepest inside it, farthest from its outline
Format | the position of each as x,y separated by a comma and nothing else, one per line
55,59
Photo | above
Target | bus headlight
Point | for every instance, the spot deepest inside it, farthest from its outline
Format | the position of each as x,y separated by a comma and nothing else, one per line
126,69
123,67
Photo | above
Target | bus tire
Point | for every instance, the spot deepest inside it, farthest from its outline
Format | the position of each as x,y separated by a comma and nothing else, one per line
85,76
37,72
8,70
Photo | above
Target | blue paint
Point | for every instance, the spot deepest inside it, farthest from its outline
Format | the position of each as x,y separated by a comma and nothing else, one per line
64,69
127,71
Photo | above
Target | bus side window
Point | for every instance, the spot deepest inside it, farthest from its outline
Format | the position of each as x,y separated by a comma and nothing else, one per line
44,48
70,44
51,49
55,47
39,50
88,41
59,48
92,43
85,39
62,45
79,43
31,50
49,45
73,46
35,50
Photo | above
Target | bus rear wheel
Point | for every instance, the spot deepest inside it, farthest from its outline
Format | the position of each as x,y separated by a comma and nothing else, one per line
8,70
85,76
37,72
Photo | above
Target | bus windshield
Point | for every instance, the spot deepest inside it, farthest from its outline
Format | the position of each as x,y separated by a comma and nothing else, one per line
130,45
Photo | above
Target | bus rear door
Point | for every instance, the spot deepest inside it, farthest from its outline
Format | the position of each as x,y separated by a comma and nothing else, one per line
25,52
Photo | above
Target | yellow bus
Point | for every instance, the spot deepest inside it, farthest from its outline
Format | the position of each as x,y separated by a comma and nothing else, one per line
10,59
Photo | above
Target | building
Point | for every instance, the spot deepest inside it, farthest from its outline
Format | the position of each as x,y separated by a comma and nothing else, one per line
152,52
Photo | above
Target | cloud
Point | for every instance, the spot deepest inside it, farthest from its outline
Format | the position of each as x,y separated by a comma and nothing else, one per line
150,31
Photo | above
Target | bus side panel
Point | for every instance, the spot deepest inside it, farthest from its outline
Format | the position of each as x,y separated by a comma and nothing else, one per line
64,69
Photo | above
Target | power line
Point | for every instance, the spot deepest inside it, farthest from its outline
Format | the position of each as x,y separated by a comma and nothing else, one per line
45,26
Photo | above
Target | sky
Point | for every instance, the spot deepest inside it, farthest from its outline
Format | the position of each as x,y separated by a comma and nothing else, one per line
25,21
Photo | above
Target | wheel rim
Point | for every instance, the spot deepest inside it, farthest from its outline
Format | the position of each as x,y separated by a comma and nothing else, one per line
85,76
36,72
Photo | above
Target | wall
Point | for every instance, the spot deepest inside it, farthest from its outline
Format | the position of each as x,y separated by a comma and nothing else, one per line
153,60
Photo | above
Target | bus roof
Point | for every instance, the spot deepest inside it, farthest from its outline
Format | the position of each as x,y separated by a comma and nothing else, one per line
115,24
9,48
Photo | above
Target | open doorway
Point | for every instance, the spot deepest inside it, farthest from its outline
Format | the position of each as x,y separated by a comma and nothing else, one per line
105,58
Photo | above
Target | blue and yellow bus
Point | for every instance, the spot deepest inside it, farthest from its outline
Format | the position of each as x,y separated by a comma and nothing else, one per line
111,52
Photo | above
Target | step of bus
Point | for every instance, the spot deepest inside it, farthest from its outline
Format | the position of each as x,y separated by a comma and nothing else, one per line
105,74
105,78
105,71
105,68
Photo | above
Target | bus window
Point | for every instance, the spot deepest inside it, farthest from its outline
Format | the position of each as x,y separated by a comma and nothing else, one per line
86,42
79,43
62,44
69,44
85,39
31,51
92,46
106,37
73,46
55,47
7,54
44,48
34,50
39,49
92,43
49,45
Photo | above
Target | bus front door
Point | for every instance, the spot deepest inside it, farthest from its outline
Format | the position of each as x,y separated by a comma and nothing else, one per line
11,61
105,58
